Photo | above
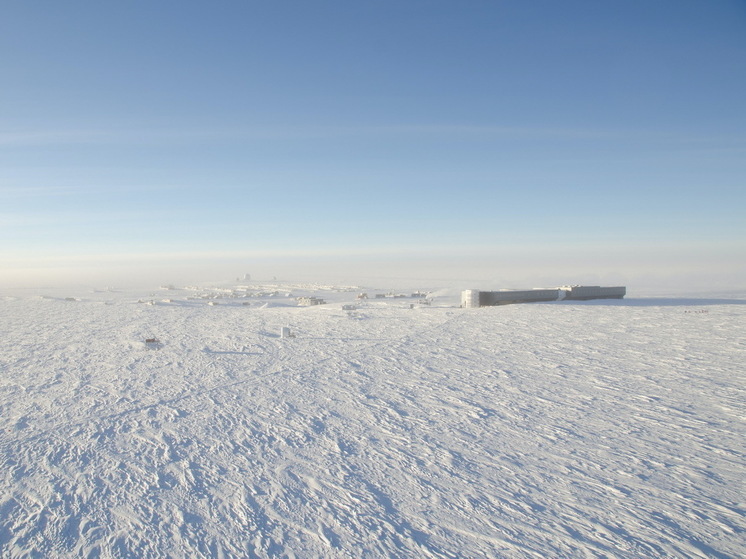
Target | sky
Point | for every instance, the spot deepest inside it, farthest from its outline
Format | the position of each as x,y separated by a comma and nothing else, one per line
492,143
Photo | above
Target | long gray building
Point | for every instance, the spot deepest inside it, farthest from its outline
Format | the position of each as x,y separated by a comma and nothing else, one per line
588,292
472,298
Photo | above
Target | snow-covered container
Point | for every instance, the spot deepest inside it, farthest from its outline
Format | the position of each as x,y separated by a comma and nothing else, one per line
285,332
310,301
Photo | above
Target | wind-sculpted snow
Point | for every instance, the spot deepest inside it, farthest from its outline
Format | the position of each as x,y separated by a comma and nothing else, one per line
546,430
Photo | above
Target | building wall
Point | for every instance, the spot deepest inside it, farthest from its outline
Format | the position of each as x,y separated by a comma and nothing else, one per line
491,298
588,292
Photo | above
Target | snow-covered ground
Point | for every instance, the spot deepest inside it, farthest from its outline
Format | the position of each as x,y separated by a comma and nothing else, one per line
399,429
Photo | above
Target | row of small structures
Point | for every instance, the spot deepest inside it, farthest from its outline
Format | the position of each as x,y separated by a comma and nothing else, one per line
472,298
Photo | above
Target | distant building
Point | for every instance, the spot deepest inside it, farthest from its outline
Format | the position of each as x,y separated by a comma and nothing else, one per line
472,298
310,301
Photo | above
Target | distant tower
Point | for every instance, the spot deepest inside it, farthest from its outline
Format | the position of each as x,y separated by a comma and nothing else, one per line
470,298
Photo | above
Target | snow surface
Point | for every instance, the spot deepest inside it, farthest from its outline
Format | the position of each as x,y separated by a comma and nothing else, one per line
598,429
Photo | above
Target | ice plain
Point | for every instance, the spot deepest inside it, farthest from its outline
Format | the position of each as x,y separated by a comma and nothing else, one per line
596,429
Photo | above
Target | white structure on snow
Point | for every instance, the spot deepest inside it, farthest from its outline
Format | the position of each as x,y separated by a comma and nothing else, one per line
472,298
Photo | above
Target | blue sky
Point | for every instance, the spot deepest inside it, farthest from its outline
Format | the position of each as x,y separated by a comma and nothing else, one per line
489,141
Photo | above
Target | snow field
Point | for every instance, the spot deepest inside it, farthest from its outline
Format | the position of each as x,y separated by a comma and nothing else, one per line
544,430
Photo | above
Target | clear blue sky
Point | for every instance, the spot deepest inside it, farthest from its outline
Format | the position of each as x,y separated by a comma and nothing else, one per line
507,139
